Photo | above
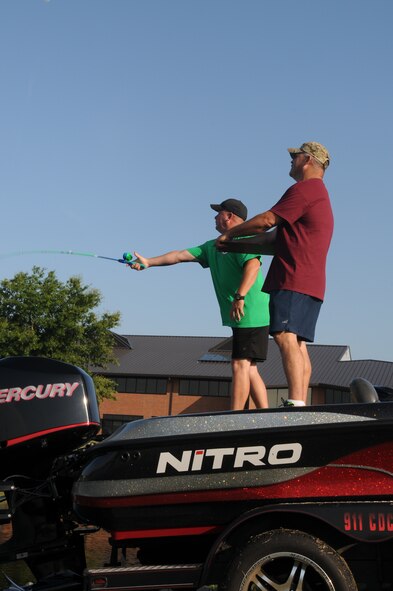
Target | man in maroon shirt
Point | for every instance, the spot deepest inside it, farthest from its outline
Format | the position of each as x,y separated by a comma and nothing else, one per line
296,281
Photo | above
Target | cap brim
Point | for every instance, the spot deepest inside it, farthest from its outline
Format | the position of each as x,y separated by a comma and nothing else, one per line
294,150
216,206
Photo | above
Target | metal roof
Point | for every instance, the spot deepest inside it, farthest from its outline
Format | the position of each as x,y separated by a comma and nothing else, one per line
203,358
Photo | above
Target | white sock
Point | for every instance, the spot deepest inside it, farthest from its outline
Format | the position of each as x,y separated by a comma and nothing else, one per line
296,402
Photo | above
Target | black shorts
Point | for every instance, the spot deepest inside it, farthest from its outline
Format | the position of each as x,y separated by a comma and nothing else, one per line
250,343
294,312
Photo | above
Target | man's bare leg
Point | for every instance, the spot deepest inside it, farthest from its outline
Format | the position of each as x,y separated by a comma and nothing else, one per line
307,369
257,387
240,383
293,362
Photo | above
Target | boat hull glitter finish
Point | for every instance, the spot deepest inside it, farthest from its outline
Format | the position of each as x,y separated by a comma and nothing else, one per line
276,499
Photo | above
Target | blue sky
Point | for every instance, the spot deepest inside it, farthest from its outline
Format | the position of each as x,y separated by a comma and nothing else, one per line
122,120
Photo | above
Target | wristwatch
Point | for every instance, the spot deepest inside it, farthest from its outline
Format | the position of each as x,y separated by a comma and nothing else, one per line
239,297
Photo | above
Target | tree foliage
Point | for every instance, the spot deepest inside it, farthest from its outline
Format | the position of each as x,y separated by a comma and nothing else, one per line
41,316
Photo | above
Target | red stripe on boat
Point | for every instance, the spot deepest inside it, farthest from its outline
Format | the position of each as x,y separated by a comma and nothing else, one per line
164,533
39,434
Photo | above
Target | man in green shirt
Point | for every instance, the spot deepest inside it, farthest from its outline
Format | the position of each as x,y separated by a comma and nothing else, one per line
244,307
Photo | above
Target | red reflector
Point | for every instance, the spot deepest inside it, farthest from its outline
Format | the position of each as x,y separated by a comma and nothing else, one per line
99,582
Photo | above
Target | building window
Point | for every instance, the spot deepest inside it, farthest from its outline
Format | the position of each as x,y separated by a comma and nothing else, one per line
224,388
130,385
156,386
337,396
204,388
110,423
121,384
142,385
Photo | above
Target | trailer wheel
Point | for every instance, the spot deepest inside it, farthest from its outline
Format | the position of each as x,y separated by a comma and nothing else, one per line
289,560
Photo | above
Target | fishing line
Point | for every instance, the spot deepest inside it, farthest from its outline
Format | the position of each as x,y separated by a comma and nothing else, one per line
126,258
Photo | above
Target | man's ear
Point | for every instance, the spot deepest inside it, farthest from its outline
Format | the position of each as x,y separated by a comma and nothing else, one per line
230,217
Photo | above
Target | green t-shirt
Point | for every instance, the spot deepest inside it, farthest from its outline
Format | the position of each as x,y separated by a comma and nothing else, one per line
227,270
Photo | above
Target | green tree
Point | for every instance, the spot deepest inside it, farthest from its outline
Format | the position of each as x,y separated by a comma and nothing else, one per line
41,316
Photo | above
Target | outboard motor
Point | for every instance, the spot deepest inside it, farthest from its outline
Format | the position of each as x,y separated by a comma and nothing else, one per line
48,411
47,408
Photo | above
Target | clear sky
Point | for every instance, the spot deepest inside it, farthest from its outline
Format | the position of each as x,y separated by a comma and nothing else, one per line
122,120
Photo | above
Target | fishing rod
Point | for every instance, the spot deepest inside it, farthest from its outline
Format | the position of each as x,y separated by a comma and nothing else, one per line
126,258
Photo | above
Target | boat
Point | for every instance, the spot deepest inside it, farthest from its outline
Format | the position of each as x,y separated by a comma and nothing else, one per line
176,475
294,497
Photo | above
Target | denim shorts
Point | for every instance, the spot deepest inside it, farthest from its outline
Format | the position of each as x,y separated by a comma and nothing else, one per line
294,312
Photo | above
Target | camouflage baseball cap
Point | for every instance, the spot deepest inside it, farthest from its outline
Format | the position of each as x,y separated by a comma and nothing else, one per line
318,151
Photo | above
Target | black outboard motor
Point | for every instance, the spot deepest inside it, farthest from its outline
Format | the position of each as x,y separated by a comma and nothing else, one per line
48,409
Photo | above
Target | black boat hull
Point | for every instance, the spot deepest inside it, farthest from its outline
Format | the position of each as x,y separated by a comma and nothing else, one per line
201,471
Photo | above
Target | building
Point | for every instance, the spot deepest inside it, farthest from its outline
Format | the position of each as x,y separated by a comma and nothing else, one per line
170,375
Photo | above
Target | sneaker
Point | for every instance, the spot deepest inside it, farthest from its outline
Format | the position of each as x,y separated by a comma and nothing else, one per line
285,403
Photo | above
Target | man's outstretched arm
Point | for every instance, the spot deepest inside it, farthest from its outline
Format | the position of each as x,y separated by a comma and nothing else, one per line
170,258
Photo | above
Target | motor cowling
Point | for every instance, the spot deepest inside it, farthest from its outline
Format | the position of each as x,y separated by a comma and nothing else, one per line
47,408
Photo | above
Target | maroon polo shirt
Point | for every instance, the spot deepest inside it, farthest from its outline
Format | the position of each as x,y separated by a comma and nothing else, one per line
303,240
